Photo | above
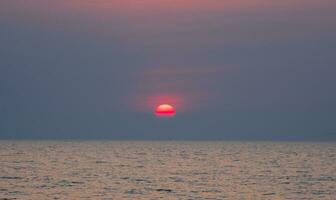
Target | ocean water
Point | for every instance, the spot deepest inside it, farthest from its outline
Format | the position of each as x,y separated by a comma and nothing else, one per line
166,170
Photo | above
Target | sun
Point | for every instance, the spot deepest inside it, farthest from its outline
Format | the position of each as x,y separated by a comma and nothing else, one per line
165,110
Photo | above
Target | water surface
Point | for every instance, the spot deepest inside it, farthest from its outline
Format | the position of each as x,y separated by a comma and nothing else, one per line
166,170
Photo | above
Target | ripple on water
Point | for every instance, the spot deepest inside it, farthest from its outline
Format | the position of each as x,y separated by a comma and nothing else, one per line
167,170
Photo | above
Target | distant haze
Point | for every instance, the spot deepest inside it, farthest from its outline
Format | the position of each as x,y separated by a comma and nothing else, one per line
234,70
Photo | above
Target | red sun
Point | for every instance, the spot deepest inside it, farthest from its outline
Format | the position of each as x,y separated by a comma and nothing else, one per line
165,110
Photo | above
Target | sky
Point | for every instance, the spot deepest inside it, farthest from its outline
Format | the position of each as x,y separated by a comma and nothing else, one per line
233,69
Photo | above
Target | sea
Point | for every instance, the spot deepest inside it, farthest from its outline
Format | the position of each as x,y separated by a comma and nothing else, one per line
151,170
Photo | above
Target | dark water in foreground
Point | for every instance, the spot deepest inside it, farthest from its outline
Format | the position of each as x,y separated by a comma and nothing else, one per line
167,170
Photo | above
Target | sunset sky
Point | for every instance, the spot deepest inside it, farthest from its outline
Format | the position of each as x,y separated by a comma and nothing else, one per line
232,69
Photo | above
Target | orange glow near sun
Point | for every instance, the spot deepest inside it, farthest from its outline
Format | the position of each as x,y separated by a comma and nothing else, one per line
165,110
